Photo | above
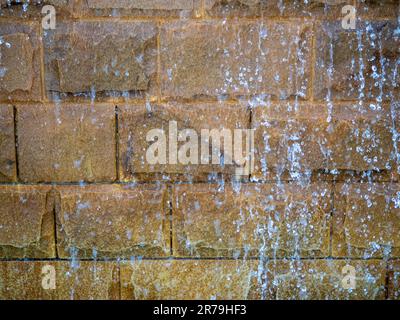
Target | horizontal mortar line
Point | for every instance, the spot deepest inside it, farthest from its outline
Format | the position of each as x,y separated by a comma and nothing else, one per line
170,258
27,104
167,182
241,18
148,18
239,100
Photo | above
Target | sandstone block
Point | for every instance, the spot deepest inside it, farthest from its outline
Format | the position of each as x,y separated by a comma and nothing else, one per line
326,280
78,280
274,8
373,9
32,9
217,59
105,58
109,221
27,222
358,64
8,170
139,8
66,143
366,220
253,221
306,138
20,73
170,280
394,280
136,121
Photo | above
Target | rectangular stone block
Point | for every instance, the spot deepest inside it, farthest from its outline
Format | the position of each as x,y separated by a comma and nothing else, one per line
8,170
251,221
357,64
66,143
27,222
138,153
58,280
232,8
275,8
188,280
20,76
298,139
109,221
139,8
101,58
142,4
31,9
366,220
394,280
374,9
214,59
326,280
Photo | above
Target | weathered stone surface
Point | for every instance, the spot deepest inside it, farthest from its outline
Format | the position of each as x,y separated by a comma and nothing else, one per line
325,280
232,8
20,61
112,221
366,220
363,138
34,2
214,58
27,222
7,145
17,70
274,8
135,122
257,220
83,280
359,64
171,280
66,143
101,57
301,138
142,4
289,139
394,280
139,8
32,9
378,8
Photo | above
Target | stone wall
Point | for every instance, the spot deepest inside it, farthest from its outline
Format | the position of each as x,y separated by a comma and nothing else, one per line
77,194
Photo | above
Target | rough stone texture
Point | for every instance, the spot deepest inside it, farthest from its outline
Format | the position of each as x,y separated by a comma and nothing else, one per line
357,65
8,169
27,222
20,73
135,121
112,221
83,280
378,8
306,137
77,102
323,280
274,8
232,8
214,59
32,9
366,220
17,71
255,221
142,4
34,2
139,8
170,280
394,280
66,143
89,58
